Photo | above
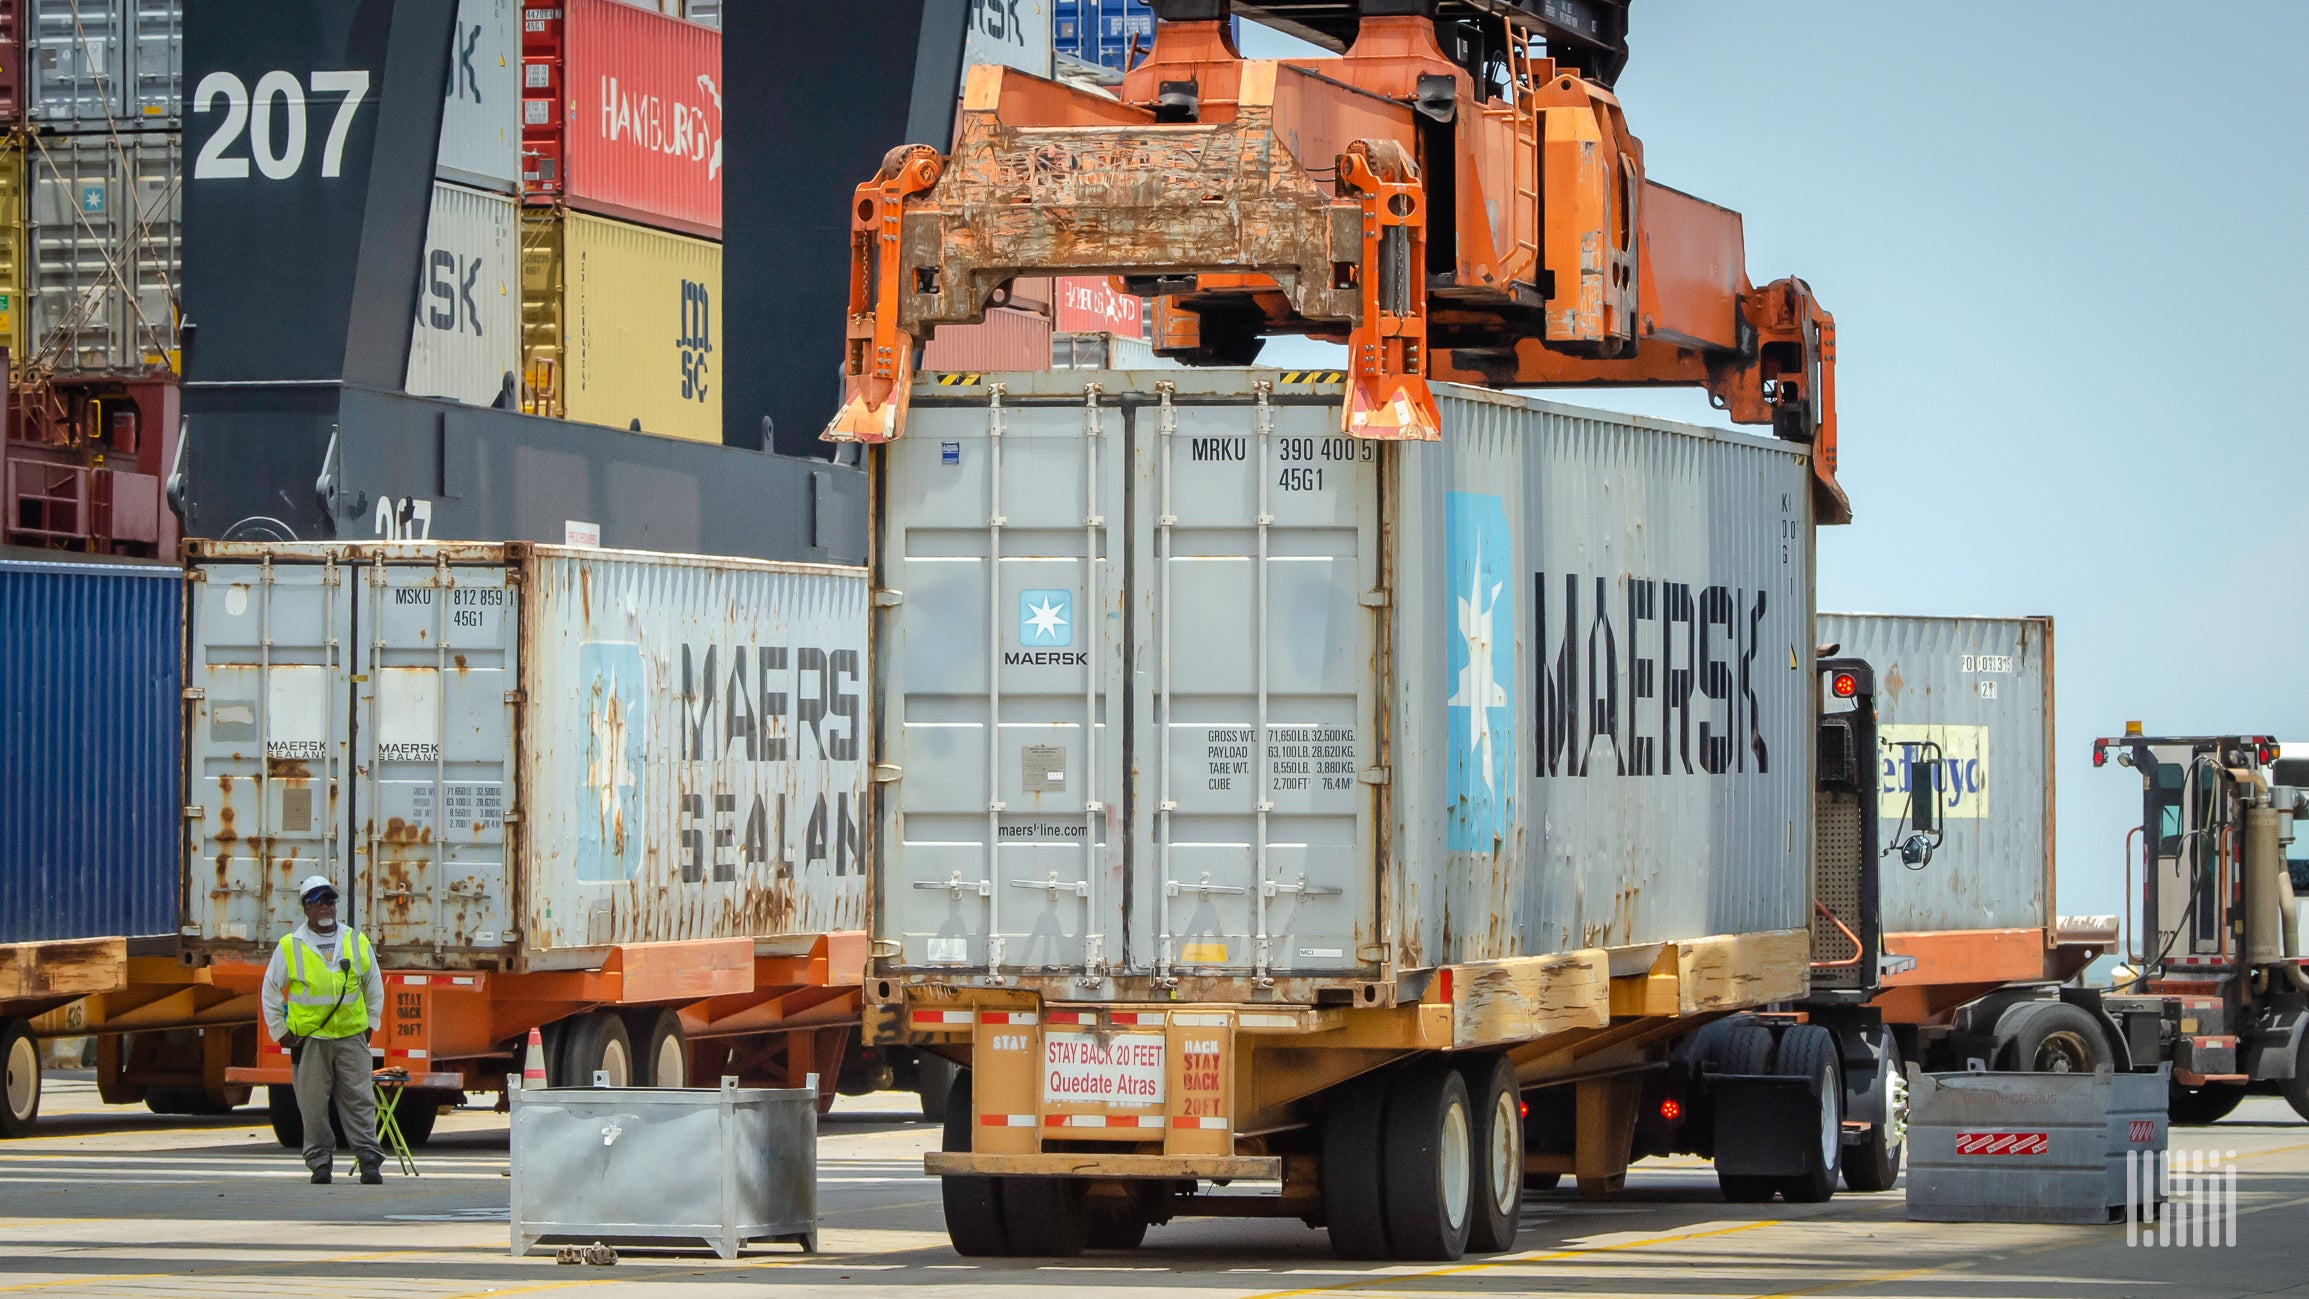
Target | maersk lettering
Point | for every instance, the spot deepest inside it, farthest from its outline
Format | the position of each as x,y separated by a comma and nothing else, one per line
1045,658
1667,642
753,715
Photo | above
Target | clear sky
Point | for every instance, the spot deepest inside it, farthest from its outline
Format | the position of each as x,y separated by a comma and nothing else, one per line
2065,247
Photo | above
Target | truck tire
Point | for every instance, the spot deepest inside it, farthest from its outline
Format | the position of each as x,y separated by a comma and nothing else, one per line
1744,1048
1874,1164
975,1222
2297,1087
1809,1051
1049,1217
933,1082
416,1114
596,1043
289,1121
1430,1153
2049,1037
20,1083
2194,1107
189,1101
1354,1210
1496,1109
1116,1227
661,1053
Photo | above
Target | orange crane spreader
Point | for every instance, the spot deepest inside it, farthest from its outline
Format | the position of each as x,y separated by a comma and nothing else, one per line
1478,214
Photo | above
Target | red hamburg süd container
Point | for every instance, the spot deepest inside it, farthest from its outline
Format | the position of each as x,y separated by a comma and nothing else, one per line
11,60
621,114
1009,339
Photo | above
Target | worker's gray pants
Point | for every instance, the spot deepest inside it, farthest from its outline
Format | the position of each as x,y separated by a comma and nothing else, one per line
337,1067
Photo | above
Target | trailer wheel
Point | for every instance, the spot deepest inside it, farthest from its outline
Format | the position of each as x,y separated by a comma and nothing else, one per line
597,1043
289,1121
1049,1216
1809,1051
1115,1227
20,1057
661,1056
934,1083
190,1101
2194,1107
974,1219
1874,1164
415,1115
1353,1210
2049,1037
1745,1048
1496,1107
2297,1087
1430,1149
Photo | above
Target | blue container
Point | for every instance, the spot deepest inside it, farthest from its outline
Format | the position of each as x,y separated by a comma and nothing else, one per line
90,692
1100,31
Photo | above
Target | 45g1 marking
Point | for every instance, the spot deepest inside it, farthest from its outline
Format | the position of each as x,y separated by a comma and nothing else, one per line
277,158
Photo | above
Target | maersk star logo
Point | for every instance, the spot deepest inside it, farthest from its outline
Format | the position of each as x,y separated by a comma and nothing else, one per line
1046,619
609,816
1479,772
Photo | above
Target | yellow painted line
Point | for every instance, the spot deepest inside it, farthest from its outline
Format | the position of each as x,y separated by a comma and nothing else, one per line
1513,1260
655,1277
206,1271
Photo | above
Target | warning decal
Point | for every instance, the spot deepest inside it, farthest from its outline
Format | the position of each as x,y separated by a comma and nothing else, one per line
1123,1069
2003,1143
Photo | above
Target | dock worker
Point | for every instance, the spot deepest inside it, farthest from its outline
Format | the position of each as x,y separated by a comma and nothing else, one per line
322,998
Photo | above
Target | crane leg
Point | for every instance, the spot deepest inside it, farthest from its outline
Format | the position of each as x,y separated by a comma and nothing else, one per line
1387,392
878,359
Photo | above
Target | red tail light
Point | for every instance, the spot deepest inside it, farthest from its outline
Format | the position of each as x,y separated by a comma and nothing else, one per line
1670,1110
1846,685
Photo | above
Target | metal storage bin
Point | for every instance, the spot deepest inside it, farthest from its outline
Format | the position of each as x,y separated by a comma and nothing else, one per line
651,1164
2029,1147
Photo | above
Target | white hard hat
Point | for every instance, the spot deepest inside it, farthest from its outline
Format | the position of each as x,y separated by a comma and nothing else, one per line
310,883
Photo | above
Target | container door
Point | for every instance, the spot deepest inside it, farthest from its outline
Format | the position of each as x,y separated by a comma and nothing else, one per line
1257,630
1002,663
433,706
266,752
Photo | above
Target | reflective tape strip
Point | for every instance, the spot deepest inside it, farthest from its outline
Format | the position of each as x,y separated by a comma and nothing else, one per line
1199,1021
1137,1017
1268,1021
1104,1121
1006,1120
1015,1017
413,980
1205,1123
941,1016
1070,1017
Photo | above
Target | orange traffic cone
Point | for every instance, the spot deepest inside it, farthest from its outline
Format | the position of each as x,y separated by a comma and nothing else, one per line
533,1065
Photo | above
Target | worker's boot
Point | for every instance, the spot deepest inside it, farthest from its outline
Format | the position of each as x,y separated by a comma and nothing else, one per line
372,1175
320,1177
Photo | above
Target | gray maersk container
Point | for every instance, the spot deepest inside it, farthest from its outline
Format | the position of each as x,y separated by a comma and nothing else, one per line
106,244
481,104
1198,687
514,756
467,340
105,65
1981,689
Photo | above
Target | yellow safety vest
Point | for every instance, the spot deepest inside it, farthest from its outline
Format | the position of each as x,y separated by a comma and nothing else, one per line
315,985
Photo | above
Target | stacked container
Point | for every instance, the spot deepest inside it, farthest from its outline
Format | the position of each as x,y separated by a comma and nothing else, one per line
621,140
466,340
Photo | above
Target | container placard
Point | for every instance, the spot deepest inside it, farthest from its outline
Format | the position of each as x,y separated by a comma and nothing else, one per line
1085,1069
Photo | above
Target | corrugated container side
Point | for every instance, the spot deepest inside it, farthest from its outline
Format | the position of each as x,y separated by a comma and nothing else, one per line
481,110
94,65
1008,339
88,744
1356,707
1980,689
106,244
11,61
621,324
551,751
15,311
468,330
621,114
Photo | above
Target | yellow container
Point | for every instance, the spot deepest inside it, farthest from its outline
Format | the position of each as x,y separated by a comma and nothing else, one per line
13,312
621,323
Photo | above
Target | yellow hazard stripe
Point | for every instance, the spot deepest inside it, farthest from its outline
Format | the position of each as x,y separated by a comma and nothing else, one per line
1314,376
959,379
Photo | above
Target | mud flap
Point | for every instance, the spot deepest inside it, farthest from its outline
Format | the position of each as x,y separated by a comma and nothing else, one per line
1765,1126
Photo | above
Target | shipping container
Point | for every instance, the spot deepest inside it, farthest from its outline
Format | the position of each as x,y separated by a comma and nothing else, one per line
481,105
620,324
1112,34
105,65
1246,723
517,757
1975,696
11,61
106,245
622,114
86,454
88,748
1008,339
14,310
467,344
1013,33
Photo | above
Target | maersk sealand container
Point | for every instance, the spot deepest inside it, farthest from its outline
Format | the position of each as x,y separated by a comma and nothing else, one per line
89,677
